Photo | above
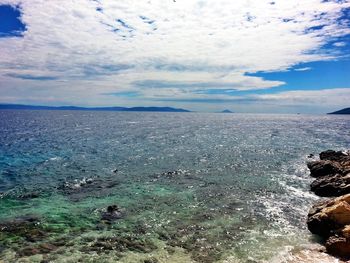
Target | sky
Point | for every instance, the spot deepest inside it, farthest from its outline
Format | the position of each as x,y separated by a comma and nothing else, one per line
255,56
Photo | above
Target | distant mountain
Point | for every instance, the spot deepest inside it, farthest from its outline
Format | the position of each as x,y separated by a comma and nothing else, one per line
343,111
31,107
162,109
226,111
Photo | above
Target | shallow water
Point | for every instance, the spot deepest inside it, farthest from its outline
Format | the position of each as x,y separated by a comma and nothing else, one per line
191,187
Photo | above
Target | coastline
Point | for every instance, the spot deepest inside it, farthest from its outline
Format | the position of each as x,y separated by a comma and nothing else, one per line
330,218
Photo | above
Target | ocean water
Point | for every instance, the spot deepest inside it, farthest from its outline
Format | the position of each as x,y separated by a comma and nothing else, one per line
190,187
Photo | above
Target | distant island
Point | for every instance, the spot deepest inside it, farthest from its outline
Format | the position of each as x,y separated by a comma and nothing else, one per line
31,107
343,111
226,111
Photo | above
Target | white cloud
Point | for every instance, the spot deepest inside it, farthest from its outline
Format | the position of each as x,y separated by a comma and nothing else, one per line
339,44
309,101
329,97
303,69
81,49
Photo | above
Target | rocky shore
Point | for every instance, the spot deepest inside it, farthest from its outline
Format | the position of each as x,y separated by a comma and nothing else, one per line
330,218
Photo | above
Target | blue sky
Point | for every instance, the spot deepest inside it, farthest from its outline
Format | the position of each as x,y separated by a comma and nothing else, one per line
204,55
11,24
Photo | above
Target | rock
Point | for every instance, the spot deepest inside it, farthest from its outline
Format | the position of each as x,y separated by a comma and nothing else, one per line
112,213
346,231
19,224
322,168
338,246
43,248
321,226
47,248
334,156
27,227
121,244
2,248
28,251
343,159
112,208
333,185
339,213
332,174
151,260
327,217
309,254
77,190
76,184
346,166
35,235
28,196
331,218
172,173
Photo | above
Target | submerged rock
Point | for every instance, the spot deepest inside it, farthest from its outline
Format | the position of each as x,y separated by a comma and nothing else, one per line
30,195
43,248
112,213
312,254
311,155
121,244
27,227
28,251
151,260
76,184
77,190
19,224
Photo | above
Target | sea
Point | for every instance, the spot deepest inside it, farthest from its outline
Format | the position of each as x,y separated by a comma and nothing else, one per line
186,187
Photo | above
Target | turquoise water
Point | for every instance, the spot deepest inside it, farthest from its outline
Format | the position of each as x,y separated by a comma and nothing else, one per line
191,187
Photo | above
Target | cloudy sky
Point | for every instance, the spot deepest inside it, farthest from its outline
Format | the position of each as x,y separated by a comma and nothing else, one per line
279,56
